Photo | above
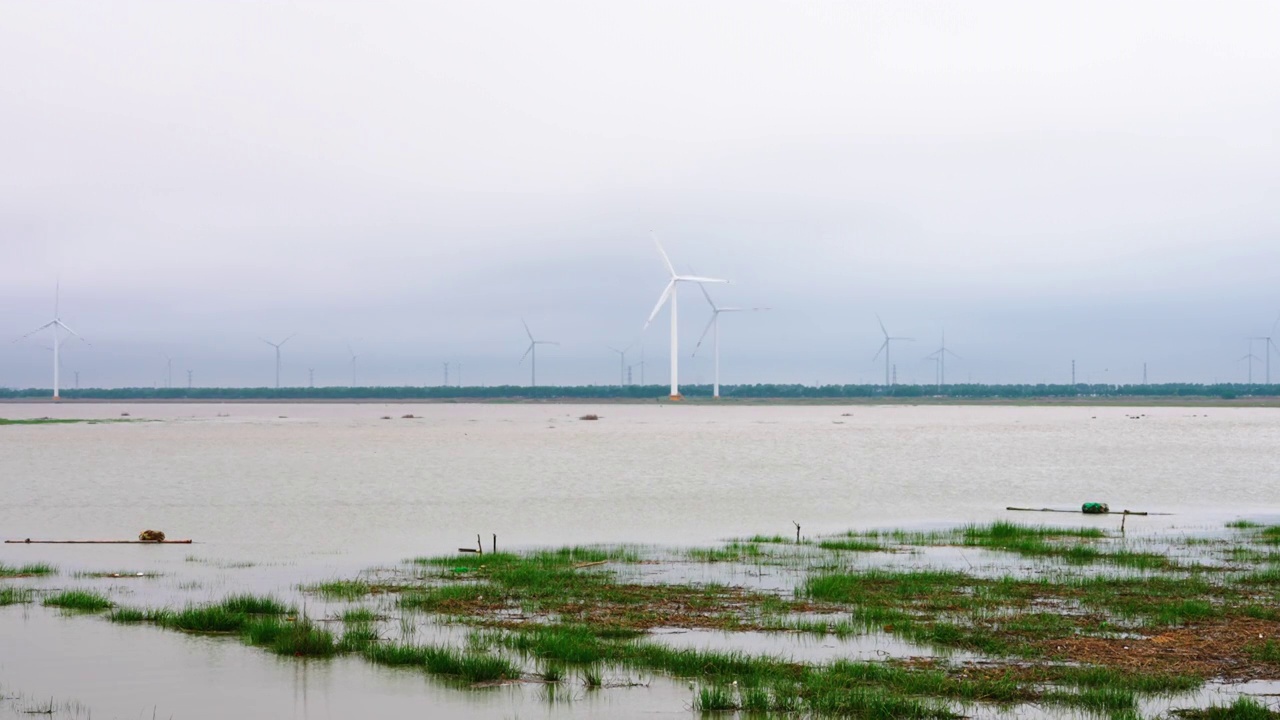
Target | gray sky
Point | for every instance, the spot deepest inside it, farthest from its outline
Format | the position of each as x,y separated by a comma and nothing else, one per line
1046,180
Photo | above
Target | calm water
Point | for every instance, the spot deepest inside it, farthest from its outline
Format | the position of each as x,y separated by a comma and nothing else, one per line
278,494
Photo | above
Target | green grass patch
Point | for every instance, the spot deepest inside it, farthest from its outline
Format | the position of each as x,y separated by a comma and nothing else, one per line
469,665
341,589
1244,708
1243,525
851,544
86,600
359,615
209,619
14,596
28,570
731,552
256,605
127,615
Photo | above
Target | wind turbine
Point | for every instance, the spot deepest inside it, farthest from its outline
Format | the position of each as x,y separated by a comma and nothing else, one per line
353,364
1250,357
714,326
277,346
533,349
885,348
55,324
622,363
671,292
1267,346
940,355
168,370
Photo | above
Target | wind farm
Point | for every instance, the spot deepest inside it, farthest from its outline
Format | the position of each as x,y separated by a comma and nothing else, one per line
632,383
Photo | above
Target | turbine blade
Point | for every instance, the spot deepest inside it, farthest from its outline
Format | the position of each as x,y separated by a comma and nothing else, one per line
700,279
282,342
886,332
670,268
705,330
33,332
63,325
526,329
662,300
526,353
883,345
707,295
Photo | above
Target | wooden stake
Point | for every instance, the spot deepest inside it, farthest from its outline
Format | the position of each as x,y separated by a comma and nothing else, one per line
793,522
495,543
479,545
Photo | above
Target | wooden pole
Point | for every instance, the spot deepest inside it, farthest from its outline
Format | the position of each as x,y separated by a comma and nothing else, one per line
479,544
793,522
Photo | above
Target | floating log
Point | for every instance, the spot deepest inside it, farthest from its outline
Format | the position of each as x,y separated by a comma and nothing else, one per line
1080,512
579,566
29,541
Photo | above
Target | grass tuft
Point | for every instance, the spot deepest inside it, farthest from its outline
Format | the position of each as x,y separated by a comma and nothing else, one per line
85,600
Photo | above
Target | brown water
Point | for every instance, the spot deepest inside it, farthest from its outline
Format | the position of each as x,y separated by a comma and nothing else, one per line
332,489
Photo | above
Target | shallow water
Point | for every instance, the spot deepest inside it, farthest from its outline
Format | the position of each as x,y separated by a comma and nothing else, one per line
330,490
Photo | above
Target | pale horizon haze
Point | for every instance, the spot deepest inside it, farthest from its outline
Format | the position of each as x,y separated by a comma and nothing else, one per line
1045,181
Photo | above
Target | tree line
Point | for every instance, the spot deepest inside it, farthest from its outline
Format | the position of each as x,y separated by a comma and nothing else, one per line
760,391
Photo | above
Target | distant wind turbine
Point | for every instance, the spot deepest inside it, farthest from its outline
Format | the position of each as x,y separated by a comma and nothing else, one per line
672,293
622,363
55,325
940,356
885,348
714,327
277,346
1267,346
533,350
1250,357
353,364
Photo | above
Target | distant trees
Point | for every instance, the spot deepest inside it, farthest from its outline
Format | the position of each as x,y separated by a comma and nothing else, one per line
653,392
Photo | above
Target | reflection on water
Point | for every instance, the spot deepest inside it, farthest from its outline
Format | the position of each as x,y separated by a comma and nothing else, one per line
332,489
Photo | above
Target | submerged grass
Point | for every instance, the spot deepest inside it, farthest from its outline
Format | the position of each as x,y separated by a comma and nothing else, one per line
14,596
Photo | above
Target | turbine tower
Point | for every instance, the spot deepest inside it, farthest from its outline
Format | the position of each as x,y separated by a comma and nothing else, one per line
940,355
622,364
353,364
1267,346
714,326
672,292
533,350
885,347
55,325
277,346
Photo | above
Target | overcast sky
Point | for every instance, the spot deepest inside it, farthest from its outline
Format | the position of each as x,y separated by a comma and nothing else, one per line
1046,181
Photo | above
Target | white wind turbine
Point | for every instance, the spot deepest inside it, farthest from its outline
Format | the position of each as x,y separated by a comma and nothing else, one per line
353,364
885,347
277,346
622,363
55,325
940,356
671,292
533,350
714,326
